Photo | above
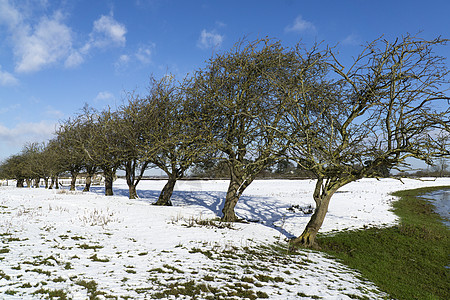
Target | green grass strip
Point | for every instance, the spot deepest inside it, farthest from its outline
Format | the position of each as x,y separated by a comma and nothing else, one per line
406,261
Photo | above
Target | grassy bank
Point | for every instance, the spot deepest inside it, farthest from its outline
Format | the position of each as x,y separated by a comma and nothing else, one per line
406,261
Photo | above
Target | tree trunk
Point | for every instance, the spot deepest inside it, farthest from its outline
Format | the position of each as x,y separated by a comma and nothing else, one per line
87,186
19,183
166,193
230,201
132,194
52,182
28,182
36,182
57,183
90,171
308,237
132,179
129,175
73,180
108,183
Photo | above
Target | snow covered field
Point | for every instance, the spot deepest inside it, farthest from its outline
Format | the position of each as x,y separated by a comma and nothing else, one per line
81,245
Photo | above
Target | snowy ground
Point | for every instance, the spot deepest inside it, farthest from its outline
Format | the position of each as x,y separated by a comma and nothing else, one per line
80,245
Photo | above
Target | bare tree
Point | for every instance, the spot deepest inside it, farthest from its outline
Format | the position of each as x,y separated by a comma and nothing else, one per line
37,162
90,141
350,123
242,109
131,126
174,137
70,141
105,151
14,167
85,140
55,157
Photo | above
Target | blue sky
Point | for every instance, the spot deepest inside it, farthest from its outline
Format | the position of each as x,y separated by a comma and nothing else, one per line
57,55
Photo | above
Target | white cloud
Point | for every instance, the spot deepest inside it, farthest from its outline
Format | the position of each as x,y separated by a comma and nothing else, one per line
111,28
27,132
122,63
74,59
53,113
10,108
106,32
221,24
352,40
104,96
124,59
50,42
144,54
7,78
209,39
9,15
300,25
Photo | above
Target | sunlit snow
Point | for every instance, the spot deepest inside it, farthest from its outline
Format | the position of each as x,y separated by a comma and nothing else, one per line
59,240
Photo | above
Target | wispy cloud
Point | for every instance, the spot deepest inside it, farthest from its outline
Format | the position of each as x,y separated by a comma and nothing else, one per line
53,113
49,42
140,57
9,16
74,59
144,54
209,39
106,32
27,132
9,108
7,79
122,63
352,40
43,41
104,96
220,24
300,25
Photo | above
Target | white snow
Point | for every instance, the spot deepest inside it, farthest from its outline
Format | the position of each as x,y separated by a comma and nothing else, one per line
59,240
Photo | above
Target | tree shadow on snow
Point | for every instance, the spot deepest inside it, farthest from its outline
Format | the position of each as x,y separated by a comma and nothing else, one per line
211,200
263,210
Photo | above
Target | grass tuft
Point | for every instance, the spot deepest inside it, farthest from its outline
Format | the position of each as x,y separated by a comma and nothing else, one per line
97,259
58,294
87,247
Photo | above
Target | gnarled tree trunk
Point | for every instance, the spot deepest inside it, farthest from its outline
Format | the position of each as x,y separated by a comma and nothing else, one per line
132,179
166,193
322,196
231,200
87,185
132,193
308,237
238,183
73,180
52,182
108,182
90,172
20,182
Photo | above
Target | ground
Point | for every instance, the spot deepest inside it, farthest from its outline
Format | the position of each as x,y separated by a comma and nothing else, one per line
74,245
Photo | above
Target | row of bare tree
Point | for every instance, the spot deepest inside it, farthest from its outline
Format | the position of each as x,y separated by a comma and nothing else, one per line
259,103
